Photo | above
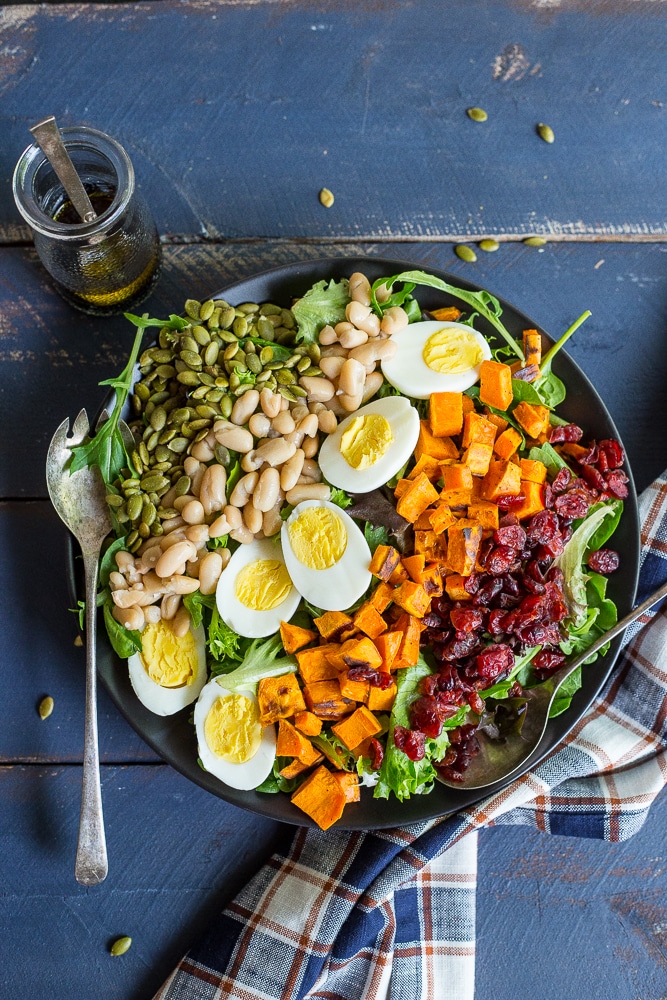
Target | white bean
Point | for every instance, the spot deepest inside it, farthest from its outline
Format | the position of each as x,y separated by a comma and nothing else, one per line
210,569
352,378
202,451
270,403
295,438
299,411
371,386
233,515
360,288
308,425
267,489
244,407
331,366
350,403
291,471
334,351
178,535
124,560
382,293
198,534
316,491
191,466
193,512
242,535
220,526
356,312
370,325
250,462
342,328
318,389
130,618
276,452
180,623
353,338
312,469
243,489
394,320
311,446
167,499
212,489
327,335
272,521
179,584
327,422
169,606
236,439
150,556
152,614
283,423
259,425
174,557
182,501
132,598
252,518
195,483
373,351
117,581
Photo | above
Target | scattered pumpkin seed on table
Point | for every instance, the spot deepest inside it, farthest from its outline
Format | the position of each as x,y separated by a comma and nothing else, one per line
535,241
489,246
45,707
120,946
326,197
477,114
465,253
545,132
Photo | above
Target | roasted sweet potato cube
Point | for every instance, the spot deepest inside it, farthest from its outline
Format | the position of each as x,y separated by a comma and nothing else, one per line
349,782
380,700
385,560
441,517
297,767
361,652
412,598
456,485
382,597
495,384
533,419
420,495
415,566
445,413
369,620
324,700
477,457
388,645
436,447
355,689
314,665
294,637
279,698
428,465
534,499
423,522
408,653
455,587
432,546
321,797
485,512
432,579
463,542
532,347
534,471
572,449
335,626
477,429
357,727
308,724
502,479
468,405
401,487
448,314
496,420
507,443
292,743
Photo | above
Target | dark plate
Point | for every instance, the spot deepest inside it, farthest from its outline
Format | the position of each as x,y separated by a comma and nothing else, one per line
173,738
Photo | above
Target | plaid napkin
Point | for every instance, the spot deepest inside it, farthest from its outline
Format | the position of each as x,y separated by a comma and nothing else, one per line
391,914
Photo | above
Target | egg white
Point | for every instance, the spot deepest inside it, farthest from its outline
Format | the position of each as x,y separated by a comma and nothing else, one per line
340,585
408,372
163,700
246,621
403,420
252,772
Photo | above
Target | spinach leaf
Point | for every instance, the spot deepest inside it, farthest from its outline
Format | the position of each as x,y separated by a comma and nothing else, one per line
549,457
123,641
550,389
545,364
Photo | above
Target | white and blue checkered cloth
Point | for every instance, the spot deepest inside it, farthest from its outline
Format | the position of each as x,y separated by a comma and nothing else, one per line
391,913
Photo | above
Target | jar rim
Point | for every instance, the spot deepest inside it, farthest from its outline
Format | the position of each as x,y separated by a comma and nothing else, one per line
75,137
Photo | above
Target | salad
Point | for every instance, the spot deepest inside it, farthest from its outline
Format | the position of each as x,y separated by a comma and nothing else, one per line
350,534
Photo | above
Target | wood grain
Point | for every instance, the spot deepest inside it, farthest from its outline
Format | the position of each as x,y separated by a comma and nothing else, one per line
274,99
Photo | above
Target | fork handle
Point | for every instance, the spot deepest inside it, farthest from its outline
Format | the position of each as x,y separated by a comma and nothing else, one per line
91,865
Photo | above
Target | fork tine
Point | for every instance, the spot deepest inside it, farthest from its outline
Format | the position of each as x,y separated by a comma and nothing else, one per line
80,429
59,439
102,419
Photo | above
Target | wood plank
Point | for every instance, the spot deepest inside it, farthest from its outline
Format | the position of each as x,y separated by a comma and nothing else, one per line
557,911
283,97
52,358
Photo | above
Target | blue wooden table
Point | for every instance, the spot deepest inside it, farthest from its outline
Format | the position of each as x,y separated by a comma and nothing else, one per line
235,114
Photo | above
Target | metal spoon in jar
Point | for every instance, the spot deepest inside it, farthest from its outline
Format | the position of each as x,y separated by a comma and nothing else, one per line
48,138
498,759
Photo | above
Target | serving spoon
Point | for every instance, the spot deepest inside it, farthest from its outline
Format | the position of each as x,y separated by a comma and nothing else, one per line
498,759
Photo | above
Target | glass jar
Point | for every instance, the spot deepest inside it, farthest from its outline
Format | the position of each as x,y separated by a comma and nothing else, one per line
101,267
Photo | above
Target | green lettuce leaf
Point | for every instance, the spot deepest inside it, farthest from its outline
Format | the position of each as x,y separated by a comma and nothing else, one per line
322,305
571,562
261,659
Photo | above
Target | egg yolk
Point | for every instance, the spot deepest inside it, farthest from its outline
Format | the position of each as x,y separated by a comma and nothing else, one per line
232,728
452,351
366,440
318,537
263,584
168,660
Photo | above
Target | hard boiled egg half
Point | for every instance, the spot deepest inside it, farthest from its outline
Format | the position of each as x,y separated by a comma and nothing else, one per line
170,671
255,592
232,743
326,554
371,445
435,357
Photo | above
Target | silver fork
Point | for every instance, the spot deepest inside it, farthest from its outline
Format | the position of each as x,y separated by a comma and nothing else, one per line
79,500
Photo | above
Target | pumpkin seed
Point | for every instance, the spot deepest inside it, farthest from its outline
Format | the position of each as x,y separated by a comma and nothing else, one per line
545,132
158,418
206,310
226,406
191,359
178,444
265,328
157,483
142,391
192,308
114,500
222,455
162,455
535,241
134,505
477,114
211,353
465,253
120,946
285,377
227,315
240,326
45,707
254,363
201,335
182,486
326,197
489,246
188,378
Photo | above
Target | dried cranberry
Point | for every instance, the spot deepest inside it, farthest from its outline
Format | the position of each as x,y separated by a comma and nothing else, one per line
450,702
429,685
591,456
547,662
512,535
556,576
550,550
410,742
569,433
487,592
424,717
593,477
471,583
466,619
542,527
510,500
494,625
461,734
376,753
562,480
613,453
615,482
376,678
508,519
571,505
538,634
603,561
515,691
494,661
548,496
500,560
476,703
510,585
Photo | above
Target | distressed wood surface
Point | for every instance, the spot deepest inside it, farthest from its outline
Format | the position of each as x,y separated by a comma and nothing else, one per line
568,914
236,112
